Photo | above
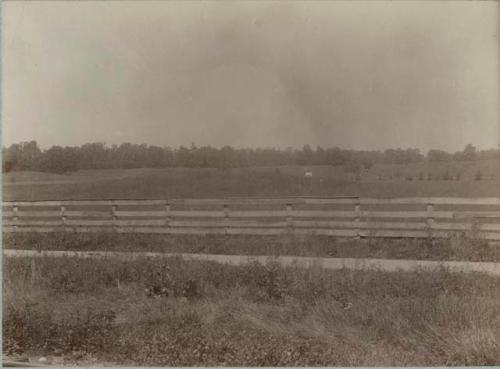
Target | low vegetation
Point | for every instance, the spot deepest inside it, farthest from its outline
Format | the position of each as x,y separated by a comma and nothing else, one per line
176,312
454,248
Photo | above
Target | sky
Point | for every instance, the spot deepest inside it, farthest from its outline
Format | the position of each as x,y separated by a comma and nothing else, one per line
360,75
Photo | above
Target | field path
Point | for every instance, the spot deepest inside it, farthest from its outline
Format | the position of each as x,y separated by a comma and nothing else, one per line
328,263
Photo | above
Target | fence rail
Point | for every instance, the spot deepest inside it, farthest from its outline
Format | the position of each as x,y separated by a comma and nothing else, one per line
345,216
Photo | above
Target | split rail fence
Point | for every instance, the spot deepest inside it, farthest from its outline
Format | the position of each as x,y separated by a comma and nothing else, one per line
345,216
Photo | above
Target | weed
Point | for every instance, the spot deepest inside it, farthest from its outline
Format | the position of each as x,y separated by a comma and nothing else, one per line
249,315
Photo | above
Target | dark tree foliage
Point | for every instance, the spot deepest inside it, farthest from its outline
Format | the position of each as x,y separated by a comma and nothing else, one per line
439,155
22,156
97,155
400,156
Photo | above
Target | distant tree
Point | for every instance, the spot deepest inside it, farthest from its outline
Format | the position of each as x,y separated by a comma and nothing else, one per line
335,156
400,156
154,157
305,156
478,175
319,156
58,160
96,155
458,156
182,157
167,157
438,155
469,152
488,154
23,156
227,157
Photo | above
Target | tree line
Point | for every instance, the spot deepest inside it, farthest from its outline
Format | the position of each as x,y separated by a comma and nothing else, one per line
58,159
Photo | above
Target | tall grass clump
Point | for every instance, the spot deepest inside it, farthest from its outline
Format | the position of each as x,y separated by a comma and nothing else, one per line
174,312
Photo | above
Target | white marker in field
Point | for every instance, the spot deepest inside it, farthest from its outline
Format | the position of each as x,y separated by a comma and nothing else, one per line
308,174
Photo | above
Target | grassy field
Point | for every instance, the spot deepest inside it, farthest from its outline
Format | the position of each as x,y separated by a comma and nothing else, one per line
454,248
378,181
174,312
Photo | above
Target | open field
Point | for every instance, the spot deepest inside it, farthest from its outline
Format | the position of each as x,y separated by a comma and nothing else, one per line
379,181
316,246
172,311
175,312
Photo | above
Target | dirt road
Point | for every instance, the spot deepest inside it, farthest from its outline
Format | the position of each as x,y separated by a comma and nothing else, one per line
328,263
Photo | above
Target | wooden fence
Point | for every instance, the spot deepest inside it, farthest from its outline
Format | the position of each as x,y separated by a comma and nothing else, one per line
345,216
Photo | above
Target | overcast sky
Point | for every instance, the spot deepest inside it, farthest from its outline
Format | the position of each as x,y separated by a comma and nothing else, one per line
365,75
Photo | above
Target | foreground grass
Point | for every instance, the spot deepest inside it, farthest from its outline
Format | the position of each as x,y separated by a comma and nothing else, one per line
454,248
176,312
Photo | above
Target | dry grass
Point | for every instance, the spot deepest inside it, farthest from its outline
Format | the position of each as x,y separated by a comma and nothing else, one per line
175,312
454,248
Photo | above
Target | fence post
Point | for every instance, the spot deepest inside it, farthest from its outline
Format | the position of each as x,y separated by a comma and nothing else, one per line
33,270
63,217
430,219
113,214
226,218
167,214
289,217
357,220
475,228
16,217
